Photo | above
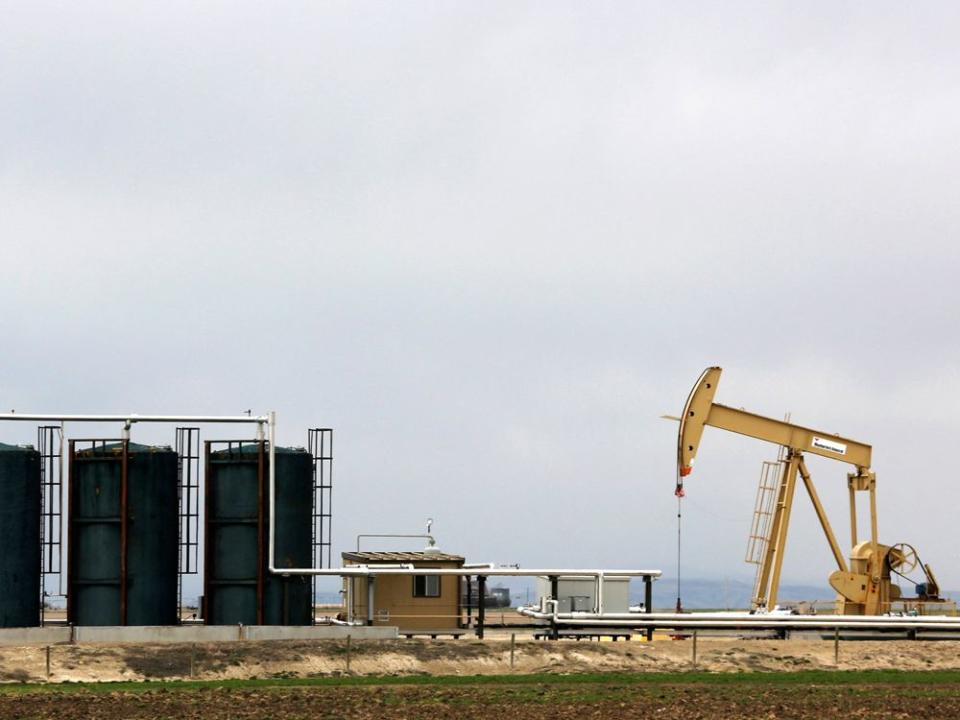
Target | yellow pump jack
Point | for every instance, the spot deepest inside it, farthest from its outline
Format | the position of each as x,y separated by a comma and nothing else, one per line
864,586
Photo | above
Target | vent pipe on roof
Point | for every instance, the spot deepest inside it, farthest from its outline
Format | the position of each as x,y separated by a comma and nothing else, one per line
432,546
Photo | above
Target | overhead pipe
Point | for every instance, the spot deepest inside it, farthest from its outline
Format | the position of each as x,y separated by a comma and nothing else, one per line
707,617
765,624
270,420
366,571
405,569
135,418
744,621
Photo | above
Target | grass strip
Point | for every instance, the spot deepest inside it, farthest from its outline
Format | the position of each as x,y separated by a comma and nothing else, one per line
792,678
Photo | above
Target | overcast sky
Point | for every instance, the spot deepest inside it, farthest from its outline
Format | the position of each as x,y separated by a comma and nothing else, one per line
491,243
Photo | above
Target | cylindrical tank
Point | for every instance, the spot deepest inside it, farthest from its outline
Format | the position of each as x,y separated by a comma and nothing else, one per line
19,536
123,527
238,588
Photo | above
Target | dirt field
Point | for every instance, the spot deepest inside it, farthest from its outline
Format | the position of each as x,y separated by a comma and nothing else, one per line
467,679
272,659
746,696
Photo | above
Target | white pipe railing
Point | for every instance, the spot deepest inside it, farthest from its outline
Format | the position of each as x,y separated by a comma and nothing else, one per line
270,420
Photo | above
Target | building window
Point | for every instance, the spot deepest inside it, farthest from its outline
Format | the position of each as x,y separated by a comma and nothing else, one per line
426,586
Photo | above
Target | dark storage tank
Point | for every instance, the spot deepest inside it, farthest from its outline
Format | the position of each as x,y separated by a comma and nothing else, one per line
123,554
19,536
238,588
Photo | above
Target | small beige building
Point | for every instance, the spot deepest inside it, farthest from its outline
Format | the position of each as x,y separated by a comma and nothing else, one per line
410,602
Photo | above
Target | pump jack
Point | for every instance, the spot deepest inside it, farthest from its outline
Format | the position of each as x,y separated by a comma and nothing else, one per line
864,586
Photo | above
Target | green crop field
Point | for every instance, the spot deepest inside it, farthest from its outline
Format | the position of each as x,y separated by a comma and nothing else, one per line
734,696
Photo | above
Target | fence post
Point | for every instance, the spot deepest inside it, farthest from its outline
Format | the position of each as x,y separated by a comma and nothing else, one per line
694,649
513,645
349,638
48,662
836,646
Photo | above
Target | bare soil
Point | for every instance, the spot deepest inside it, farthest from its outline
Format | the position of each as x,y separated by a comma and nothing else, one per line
749,679
272,659
739,701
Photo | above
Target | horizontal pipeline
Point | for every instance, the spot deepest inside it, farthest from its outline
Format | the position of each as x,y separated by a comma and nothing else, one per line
761,622
738,617
368,571
135,418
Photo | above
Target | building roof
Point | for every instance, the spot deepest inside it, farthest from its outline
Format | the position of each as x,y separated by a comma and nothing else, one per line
368,557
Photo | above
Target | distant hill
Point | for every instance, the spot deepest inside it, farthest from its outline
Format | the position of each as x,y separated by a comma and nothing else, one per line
699,594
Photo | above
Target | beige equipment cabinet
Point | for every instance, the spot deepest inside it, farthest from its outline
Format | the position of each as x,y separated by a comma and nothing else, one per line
410,602
864,586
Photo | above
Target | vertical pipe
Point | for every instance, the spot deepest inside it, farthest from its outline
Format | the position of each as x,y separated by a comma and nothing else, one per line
71,539
648,601
370,598
63,515
481,603
352,598
208,563
260,528
271,529
124,526
873,516
469,599
554,593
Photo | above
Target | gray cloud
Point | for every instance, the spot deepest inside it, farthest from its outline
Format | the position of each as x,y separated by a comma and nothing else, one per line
491,244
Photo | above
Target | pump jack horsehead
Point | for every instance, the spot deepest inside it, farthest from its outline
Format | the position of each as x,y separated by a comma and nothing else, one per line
864,585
